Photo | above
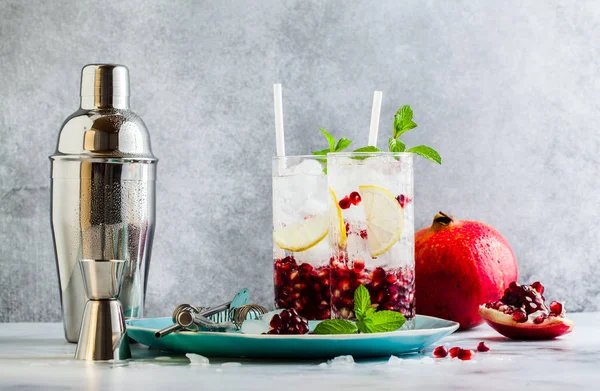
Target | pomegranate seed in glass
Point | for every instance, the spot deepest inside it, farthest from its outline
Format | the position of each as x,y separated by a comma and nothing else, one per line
372,239
300,240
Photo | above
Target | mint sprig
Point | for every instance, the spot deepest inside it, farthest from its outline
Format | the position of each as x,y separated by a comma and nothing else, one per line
369,320
342,144
403,122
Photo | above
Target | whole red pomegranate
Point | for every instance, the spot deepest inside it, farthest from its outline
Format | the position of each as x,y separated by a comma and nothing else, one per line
460,265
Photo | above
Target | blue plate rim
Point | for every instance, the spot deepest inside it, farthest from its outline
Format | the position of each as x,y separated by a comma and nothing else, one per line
450,328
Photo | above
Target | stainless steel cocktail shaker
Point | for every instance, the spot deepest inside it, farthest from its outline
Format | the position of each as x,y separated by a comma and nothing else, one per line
103,192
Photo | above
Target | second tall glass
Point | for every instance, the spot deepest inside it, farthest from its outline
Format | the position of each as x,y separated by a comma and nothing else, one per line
372,231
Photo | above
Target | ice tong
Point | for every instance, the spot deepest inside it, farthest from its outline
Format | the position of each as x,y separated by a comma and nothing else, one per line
223,317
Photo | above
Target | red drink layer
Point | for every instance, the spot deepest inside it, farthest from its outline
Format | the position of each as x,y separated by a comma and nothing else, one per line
391,289
303,287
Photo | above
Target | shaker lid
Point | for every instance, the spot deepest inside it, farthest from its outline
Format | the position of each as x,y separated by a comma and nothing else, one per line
104,85
104,126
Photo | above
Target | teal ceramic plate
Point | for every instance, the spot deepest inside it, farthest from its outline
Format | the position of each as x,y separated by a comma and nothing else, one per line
234,344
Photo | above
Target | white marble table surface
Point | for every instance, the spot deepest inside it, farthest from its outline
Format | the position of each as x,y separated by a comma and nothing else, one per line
35,356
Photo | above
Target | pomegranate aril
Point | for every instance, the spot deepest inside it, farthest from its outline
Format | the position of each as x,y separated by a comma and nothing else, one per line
440,352
556,307
539,288
355,198
344,203
465,354
358,266
378,274
402,200
482,347
306,268
454,351
519,316
539,320
275,321
363,234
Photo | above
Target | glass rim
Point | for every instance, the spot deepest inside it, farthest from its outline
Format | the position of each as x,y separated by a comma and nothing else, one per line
381,153
344,154
299,157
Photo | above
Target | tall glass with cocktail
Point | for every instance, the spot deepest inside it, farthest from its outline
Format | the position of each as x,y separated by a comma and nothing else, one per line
300,236
372,231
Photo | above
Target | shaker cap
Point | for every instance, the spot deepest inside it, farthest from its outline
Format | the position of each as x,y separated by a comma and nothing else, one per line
104,85
104,126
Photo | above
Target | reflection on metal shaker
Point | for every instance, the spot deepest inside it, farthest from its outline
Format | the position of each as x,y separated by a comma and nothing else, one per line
103,192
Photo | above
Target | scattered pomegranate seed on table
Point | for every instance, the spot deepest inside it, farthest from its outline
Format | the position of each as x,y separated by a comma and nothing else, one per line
465,354
482,347
440,352
454,351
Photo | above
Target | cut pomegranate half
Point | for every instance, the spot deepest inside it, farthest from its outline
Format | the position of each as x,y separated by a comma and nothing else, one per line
551,327
522,313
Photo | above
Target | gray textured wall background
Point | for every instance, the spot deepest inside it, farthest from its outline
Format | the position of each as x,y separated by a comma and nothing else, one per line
508,92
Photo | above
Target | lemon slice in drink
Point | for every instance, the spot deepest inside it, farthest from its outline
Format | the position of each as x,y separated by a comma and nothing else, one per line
302,236
384,217
337,221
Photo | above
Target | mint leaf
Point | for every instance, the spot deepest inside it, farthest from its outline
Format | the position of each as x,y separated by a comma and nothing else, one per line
342,144
426,152
396,145
330,139
383,321
362,302
406,113
370,312
321,152
365,325
368,149
335,326
403,121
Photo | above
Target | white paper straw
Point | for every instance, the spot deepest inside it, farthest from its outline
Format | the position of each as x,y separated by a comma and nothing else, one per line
375,112
278,104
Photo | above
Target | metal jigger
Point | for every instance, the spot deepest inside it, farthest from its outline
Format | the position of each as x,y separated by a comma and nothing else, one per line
103,335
